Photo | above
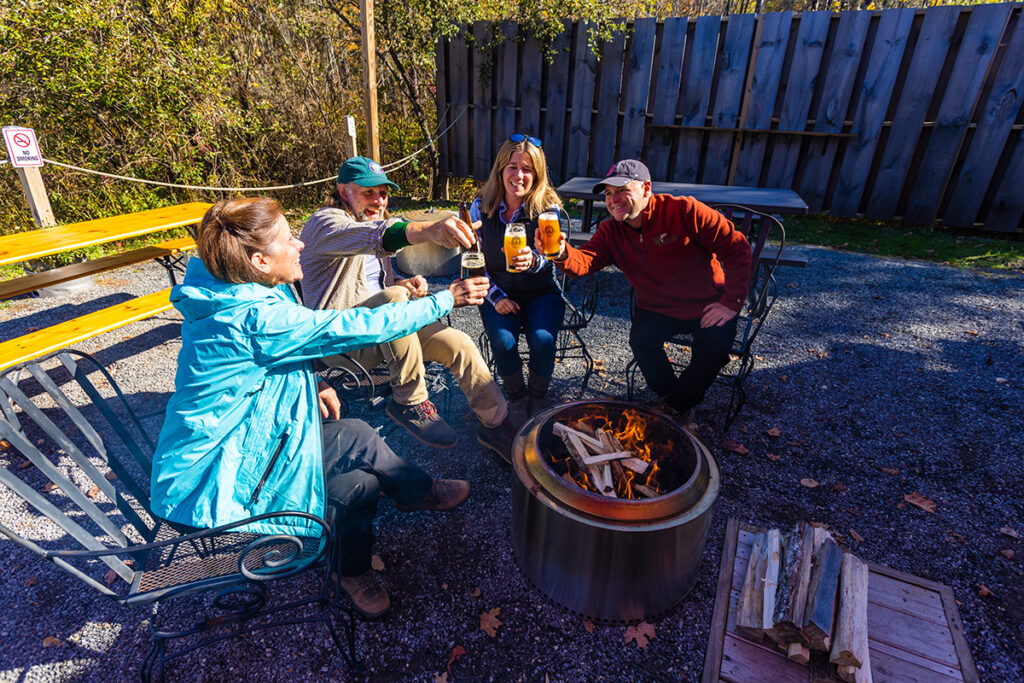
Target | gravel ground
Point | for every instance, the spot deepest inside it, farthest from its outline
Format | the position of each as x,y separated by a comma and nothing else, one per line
866,363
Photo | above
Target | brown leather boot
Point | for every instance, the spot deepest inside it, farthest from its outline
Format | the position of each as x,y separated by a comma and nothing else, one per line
515,390
444,494
538,392
368,596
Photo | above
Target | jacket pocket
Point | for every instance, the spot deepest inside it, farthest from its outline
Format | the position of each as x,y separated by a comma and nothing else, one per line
269,468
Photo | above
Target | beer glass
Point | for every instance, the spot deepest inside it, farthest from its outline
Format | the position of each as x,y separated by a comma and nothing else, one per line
473,265
550,232
515,239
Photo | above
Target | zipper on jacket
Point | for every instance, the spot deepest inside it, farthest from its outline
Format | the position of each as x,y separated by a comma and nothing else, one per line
270,466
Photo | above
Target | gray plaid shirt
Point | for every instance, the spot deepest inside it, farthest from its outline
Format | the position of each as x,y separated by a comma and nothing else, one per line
334,272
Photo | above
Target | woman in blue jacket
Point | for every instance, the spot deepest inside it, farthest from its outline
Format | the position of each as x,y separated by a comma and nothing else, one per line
243,434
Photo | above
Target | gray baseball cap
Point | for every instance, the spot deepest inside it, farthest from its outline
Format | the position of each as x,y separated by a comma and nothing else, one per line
623,172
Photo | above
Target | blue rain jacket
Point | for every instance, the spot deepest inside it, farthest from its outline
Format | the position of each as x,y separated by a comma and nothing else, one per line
242,432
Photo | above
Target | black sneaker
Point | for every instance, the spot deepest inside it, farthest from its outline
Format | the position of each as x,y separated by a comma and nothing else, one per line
444,494
423,422
499,439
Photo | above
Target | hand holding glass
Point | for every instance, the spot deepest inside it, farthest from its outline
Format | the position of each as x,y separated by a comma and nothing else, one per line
550,234
515,241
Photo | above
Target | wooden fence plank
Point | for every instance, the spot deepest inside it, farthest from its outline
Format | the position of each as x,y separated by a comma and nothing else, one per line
771,53
841,72
460,85
555,103
444,107
606,124
666,94
639,64
480,91
933,45
728,98
1007,205
809,47
582,104
977,48
506,88
696,92
991,136
529,90
875,92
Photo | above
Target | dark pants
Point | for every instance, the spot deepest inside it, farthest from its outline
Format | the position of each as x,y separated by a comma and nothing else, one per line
358,466
710,353
540,318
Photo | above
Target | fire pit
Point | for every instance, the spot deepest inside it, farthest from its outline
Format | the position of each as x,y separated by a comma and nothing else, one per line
610,508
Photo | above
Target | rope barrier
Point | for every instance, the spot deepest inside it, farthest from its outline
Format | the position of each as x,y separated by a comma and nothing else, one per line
395,165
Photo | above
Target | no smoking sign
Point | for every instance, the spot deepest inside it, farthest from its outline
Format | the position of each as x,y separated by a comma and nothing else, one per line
22,147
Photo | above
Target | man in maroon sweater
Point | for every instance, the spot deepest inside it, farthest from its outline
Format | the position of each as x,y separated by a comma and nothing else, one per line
689,266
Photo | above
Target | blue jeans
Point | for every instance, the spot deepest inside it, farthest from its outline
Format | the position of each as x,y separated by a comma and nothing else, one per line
709,354
540,318
358,466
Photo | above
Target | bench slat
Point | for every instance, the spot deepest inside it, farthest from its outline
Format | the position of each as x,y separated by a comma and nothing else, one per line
46,278
24,246
56,337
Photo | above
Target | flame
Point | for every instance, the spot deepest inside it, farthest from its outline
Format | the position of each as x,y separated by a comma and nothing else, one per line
630,436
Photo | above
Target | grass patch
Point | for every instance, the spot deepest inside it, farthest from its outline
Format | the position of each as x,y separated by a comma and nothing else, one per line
943,245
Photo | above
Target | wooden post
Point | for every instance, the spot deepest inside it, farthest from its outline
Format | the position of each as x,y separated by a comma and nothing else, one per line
35,195
348,146
370,78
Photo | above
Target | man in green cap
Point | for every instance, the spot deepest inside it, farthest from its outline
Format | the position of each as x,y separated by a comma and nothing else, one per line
347,263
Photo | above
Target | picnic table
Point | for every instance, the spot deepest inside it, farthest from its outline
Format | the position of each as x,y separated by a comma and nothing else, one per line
767,199
35,244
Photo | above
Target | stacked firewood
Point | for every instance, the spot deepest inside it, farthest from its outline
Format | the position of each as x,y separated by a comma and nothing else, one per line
807,595
604,461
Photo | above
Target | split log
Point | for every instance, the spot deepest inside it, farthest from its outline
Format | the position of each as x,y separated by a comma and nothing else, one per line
578,452
850,641
857,674
750,608
821,596
645,491
770,579
798,652
607,457
618,475
794,580
637,465
561,430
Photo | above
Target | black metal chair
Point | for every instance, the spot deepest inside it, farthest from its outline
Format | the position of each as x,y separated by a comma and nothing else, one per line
579,311
761,295
90,455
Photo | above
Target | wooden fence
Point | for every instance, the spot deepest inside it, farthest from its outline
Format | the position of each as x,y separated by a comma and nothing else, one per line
912,114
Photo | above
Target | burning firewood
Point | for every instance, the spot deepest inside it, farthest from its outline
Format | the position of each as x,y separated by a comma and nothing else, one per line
603,460
605,457
637,465
645,491
590,442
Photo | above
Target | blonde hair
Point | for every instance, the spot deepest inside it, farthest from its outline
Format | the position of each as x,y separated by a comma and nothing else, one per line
231,232
541,195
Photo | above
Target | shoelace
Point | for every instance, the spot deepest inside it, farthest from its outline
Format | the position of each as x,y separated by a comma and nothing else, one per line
368,586
426,410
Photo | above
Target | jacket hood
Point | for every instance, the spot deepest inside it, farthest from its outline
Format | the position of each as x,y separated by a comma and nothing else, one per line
202,295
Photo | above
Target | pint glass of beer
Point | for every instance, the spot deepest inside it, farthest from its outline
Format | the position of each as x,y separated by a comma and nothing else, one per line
473,265
515,239
549,234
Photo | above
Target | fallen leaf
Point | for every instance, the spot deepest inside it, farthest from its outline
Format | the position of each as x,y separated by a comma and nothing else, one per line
3,445
25,465
376,563
838,487
973,333
886,335
731,445
920,502
1007,553
93,492
955,537
111,476
642,633
1002,380
49,486
983,590
52,641
1009,531
855,536
475,593
890,470
489,622
456,652
900,505
773,457
589,626
110,577
774,431
30,581
809,483
441,677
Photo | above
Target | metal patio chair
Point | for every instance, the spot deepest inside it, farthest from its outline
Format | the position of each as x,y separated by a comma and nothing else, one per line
579,311
761,295
87,470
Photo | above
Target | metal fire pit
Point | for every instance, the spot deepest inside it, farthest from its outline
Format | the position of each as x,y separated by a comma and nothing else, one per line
611,560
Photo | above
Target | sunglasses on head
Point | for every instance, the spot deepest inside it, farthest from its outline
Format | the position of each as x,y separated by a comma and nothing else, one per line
519,137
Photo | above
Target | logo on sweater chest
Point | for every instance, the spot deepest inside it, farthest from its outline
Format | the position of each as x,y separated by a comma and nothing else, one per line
665,238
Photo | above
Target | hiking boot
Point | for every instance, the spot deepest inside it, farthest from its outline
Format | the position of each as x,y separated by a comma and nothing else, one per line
423,422
515,389
367,595
538,391
444,494
499,439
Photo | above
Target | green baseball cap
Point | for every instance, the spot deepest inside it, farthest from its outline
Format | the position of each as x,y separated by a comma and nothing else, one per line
363,172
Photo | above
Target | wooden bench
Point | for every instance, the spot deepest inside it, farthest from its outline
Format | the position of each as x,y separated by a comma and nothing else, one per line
25,246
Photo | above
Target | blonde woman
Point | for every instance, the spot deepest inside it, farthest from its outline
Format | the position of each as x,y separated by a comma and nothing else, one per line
529,300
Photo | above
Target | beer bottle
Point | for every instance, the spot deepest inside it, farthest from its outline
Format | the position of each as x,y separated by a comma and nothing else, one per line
465,217
473,264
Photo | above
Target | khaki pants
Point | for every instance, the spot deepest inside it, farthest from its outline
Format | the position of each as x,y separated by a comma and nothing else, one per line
405,358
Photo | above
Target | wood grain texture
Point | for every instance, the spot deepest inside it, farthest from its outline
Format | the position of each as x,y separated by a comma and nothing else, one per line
555,103
480,95
606,124
585,66
462,77
506,87
529,86
639,64
666,93
725,111
694,97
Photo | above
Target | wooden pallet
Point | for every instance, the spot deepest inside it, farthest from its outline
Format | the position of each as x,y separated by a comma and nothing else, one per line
914,630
